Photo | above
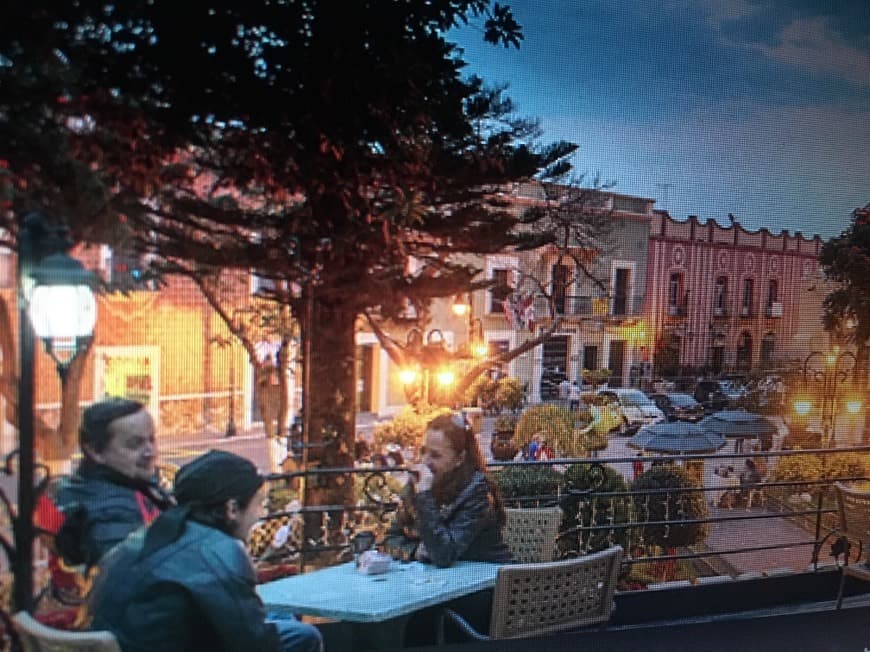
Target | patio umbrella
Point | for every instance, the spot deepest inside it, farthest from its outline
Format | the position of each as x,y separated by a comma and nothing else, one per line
737,424
677,437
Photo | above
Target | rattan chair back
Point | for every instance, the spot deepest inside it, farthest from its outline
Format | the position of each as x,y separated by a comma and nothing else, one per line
854,506
531,533
535,599
36,637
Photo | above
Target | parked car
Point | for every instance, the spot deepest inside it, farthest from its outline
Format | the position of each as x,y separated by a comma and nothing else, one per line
678,406
636,407
734,389
711,394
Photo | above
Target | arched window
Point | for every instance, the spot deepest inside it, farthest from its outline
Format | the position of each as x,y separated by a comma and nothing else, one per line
720,296
744,351
676,299
768,347
748,297
772,297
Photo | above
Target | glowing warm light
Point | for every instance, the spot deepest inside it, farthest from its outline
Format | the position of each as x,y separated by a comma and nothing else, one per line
460,308
407,376
831,357
445,377
480,349
853,406
802,406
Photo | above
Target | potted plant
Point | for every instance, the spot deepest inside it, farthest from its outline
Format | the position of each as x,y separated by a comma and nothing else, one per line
502,445
509,393
596,377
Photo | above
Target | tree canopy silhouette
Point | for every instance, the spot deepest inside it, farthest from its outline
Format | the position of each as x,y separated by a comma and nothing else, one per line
319,144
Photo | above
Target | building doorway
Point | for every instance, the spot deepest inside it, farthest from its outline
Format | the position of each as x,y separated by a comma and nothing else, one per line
616,363
554,366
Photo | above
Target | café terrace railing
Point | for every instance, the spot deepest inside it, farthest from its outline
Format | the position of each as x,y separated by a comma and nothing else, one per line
317,535
331,533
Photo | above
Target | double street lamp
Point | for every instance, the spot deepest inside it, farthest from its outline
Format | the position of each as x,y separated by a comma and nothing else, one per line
55,303
823,375
432,359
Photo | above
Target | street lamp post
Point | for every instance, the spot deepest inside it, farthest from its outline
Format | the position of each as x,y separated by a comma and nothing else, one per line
432,358
56,303
475,341
826,373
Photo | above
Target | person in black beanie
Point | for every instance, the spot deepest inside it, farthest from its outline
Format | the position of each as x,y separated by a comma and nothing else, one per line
114,491
186,582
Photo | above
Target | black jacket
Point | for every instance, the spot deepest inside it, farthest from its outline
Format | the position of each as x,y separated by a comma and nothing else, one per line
467,529
196,593
100,510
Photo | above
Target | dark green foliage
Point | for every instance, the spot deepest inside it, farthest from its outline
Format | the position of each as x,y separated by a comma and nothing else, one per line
581,511
482,392
535,484
846,261
318,144
509,393
554,423
669,506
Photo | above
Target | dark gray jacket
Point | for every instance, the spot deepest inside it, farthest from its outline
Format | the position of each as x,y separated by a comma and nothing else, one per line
194,594
467,529
107,512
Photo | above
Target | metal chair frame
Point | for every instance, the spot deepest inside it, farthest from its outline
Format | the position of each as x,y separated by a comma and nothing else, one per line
547,597
854,508
36,637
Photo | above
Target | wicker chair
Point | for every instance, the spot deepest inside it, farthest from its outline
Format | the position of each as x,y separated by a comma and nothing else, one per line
535,599
36,637
854,507
531,533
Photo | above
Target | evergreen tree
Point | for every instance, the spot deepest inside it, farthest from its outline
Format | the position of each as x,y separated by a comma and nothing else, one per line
845,260
321,145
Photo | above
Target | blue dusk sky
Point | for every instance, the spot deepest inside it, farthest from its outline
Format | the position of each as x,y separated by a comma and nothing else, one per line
759,108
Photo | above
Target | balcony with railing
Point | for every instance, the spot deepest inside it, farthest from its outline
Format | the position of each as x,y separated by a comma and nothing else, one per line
698,558
589,306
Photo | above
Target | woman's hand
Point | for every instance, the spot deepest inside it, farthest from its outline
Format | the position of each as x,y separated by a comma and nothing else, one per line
424,478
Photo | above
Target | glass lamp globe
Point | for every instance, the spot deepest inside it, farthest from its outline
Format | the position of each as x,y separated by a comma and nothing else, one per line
62,304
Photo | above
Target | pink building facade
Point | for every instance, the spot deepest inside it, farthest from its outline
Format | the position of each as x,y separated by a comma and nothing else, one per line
725,299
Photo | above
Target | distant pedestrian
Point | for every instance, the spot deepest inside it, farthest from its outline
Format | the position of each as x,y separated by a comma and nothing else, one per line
534,447
637,467
545,452
564,389
574,396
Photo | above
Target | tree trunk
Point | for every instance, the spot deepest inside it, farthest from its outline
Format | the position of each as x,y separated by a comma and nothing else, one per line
63,444
330,400
268,395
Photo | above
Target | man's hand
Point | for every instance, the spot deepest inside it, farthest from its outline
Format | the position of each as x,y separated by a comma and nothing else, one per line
424,478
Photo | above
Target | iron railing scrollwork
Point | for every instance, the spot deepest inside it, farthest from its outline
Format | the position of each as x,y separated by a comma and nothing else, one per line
601,513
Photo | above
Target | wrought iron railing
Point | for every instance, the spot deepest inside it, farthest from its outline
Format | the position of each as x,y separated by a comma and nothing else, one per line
597,514
599,509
